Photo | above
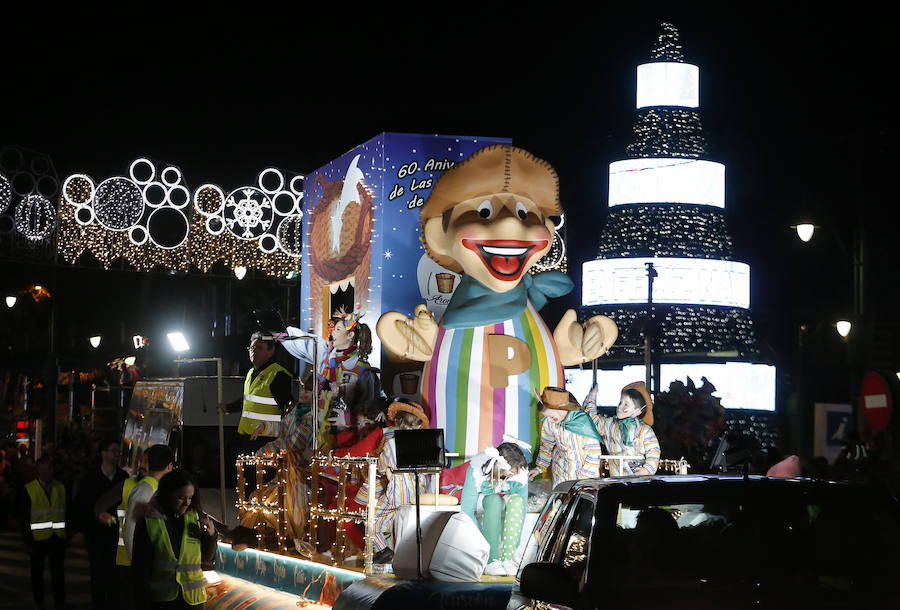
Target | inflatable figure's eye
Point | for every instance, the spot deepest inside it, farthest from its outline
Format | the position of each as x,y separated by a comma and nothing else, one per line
521,212
485,210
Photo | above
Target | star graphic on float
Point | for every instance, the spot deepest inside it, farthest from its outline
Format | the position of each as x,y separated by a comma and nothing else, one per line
388,254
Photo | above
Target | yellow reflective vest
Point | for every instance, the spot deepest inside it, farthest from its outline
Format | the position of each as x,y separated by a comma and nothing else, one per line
128,485
168,574
259,405
48,515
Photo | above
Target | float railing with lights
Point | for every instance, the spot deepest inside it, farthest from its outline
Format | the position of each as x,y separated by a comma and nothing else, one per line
267,500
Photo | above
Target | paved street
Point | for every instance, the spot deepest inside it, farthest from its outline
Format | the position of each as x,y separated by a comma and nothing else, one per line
15,585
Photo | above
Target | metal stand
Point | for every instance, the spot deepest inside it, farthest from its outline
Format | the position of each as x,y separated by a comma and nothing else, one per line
419,575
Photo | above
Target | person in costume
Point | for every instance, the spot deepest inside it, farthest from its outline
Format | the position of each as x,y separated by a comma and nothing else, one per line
490,219
630,431
393,489
570,444
351,344
172,538
496,488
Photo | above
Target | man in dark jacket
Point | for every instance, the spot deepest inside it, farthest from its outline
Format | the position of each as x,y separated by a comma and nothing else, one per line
101,539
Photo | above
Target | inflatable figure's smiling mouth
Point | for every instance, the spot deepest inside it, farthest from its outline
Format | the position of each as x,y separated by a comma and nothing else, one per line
505,258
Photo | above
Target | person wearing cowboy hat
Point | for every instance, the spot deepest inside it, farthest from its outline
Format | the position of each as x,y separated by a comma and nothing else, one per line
629,432
392,490
570,444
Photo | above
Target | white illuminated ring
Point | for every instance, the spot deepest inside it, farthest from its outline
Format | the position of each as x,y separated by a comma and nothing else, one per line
80,217
298,190
270,247
68,182
218,191
118,203
290,235
562,221
261,179
138,235
153,187
35,217
186,194
284,196
211,223
166,172
5,193
166,210
152,171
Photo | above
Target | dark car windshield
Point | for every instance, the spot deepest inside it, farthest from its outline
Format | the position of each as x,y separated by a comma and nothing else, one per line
823,538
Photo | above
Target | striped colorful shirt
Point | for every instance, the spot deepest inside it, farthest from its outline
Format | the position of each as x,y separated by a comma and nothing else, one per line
570,456
457,390
643,443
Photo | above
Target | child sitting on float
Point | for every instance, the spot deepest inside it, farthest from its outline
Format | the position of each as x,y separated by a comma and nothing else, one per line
393,489
496,488
629,432
570,444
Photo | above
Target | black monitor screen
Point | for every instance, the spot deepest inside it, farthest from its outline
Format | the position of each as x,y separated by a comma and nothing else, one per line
419,448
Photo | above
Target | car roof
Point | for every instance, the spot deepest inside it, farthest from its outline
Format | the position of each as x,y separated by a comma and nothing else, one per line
700,481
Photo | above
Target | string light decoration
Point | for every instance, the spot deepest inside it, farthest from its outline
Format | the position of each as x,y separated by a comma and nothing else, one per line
670,129
35,218
147,220
5,193
556,259
28,186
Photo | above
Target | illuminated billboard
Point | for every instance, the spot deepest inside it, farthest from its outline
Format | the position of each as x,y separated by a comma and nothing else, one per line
666,180
695,281
740,385
668,84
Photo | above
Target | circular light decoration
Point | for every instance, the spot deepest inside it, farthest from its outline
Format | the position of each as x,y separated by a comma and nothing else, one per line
155,194
22,184
268,243
138,235
554,256
248,213
35,217
215,225
47,186
170,176
178,196
562,221
290,235
209,199
142,171
296,185
78,189
266,184
118,203
168,227
5,193
284,203
84,215
6,224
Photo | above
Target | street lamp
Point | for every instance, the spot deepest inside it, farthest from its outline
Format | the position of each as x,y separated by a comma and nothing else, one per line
805,231
95,341
240,272
11,301
843,327
178,342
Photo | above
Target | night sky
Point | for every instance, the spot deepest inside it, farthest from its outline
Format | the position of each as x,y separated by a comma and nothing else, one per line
793,100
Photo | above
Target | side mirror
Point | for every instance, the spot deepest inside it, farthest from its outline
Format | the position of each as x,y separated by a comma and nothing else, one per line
549,582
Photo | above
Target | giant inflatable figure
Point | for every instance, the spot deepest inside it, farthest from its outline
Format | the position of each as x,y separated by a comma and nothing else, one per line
489,218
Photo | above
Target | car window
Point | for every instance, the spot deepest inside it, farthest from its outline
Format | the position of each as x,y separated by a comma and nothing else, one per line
573,547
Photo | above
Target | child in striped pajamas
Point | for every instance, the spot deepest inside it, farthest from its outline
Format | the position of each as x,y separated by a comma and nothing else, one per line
629,432
393,489
570,444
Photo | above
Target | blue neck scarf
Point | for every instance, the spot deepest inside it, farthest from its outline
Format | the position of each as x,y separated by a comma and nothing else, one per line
474,304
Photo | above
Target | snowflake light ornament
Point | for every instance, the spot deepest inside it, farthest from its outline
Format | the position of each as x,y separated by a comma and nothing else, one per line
248,212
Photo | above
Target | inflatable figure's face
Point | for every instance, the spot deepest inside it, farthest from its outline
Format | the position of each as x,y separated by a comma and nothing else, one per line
495,240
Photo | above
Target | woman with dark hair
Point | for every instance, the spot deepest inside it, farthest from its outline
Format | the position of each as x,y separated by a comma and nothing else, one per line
172,538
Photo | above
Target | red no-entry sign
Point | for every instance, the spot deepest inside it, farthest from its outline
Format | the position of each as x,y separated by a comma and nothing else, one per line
876,401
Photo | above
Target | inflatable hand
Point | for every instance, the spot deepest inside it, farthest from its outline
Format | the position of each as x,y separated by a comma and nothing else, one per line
408,338
578,344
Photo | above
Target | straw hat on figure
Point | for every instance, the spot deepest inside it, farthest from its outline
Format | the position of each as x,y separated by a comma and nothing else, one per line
489,218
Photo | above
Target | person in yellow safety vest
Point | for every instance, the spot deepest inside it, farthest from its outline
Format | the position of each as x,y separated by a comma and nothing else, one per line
44,530
156,461
172,538
267,395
